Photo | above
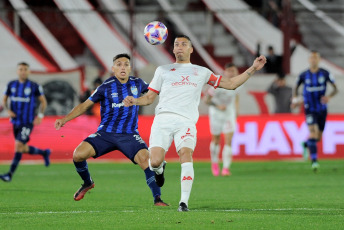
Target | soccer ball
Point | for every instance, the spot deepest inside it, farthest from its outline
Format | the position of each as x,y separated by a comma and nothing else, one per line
155,33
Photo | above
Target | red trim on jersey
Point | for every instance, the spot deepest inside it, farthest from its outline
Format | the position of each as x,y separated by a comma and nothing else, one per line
155,91
214,80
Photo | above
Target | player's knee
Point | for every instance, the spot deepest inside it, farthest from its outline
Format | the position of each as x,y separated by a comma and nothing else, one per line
141,157
79,156
185,155
155,163
19,147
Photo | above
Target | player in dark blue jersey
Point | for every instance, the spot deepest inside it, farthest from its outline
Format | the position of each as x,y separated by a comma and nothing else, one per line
21,109
315,101
117,129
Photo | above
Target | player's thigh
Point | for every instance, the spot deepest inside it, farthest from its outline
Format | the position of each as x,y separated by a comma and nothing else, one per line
161,132
186,136
83,151
215,124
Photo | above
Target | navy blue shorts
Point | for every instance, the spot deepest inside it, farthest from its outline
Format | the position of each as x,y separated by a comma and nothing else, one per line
128,144
317,118
22,132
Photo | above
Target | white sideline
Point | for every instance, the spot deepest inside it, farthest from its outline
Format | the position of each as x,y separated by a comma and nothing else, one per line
193,210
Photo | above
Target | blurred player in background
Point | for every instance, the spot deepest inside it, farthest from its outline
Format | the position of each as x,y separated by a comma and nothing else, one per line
315,103
117,129
179,87
223,110
23,94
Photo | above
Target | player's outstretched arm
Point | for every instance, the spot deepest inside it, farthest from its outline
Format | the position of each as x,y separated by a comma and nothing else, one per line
146,99
236,81
76,111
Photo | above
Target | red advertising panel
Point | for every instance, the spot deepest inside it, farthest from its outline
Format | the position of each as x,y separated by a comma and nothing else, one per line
258,137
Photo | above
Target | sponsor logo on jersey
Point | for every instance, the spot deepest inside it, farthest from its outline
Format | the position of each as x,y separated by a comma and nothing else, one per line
184,81
187,178
20,99
117,105
134,90
173,69
315,88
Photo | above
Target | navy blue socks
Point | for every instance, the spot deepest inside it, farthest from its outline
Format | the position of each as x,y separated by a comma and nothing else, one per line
150,179
82,169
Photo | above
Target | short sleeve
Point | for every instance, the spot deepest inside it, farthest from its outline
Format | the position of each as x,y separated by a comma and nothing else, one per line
7,90
331,78
97,95
144,86
156,82
38,90
300,79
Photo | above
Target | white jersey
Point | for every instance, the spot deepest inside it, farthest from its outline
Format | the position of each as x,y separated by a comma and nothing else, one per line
223,97
179,87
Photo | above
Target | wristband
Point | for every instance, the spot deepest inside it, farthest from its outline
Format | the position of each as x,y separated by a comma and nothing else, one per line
40,115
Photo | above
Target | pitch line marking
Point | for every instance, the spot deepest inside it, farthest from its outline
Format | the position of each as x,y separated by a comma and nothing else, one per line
195,210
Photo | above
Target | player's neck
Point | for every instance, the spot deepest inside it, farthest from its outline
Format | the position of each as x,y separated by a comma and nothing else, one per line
21,80
314,69
183,61
122,80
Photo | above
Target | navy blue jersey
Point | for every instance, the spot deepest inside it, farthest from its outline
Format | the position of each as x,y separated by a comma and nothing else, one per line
23,100
314,89
115,118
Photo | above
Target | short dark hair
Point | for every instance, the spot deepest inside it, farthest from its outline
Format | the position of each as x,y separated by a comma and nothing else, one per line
184,36
229,65
120,56
23,63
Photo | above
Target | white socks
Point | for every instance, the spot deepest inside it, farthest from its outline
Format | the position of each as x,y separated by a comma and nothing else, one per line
214,152
227,156
186,178
159,170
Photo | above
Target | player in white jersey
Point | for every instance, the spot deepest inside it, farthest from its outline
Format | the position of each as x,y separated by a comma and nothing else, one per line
223,110
179,87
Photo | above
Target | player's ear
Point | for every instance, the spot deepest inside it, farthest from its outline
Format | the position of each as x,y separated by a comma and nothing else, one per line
191,49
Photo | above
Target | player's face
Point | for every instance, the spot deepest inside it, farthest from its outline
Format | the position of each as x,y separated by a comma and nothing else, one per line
231,72
121,68
182,49
314,59
23,72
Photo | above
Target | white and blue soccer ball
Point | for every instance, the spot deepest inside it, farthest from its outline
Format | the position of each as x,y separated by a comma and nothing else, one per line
155,33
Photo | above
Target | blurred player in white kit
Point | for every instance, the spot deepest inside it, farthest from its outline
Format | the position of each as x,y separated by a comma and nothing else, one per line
179,86
223,111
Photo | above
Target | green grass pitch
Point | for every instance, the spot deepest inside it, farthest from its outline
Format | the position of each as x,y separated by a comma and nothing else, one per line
258,195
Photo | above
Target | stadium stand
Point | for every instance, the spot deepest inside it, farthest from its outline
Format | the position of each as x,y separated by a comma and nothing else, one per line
155,54
49,42
13,47
100,37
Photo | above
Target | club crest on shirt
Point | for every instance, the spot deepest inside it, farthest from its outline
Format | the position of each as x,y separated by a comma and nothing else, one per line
321,79
27,91
134,90
195,71
114,95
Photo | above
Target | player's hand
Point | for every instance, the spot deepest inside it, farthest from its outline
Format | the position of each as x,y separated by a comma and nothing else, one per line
129,101
37,121
259,62
11,113
324,99
59,123
295,102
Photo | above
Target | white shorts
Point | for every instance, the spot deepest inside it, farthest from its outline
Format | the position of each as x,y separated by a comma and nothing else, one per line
170,126
221,122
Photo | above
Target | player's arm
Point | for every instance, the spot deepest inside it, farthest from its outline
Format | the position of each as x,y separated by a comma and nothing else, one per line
146,99
76,111
325,99
42,106
296,101
235,82
237,105
9,111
